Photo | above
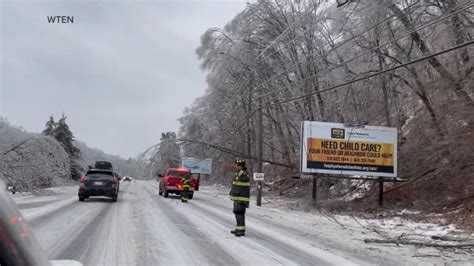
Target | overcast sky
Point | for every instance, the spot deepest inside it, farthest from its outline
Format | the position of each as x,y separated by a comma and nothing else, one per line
122,72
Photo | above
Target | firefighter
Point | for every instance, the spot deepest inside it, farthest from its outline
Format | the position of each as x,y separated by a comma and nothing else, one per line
240,195
186,183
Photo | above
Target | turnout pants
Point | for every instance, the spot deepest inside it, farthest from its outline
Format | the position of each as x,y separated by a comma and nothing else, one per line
184,195
239,211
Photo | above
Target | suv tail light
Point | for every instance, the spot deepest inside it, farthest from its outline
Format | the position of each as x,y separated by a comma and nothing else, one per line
114,180
82,178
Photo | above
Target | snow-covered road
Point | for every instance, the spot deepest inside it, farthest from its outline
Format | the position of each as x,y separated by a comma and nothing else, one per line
143,228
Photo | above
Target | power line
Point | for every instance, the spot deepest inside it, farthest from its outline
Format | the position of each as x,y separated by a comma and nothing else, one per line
281,34
470,42
346,41
269,103
269,45
259,55
341,64
305,31
331,50
252,73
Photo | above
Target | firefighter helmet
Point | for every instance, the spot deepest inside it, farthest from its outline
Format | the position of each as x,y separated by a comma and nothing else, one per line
240,162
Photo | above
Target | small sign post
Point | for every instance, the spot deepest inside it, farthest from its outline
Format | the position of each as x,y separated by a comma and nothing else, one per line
259,177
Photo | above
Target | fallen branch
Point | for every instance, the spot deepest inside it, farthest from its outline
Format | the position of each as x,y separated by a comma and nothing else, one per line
451,238
410,181
16,146
330,217
418,243
425,255
367,228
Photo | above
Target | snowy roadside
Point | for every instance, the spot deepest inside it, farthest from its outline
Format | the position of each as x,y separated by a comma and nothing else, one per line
279,232
351,231
45,202
394,225
46,194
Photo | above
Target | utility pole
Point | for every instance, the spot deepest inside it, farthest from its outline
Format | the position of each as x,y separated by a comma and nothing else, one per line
259,150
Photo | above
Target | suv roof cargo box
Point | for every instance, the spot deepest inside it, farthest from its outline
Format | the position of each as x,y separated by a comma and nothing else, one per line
103,165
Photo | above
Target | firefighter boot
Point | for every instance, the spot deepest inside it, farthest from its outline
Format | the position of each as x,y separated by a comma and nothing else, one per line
233,232
239,233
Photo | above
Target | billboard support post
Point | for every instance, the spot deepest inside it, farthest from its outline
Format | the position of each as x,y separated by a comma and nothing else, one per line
314,188
380,191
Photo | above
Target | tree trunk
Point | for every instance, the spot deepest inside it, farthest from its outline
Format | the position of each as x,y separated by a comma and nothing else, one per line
433,61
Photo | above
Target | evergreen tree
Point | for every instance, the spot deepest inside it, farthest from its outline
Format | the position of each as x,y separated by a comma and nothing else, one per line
63,134
50,125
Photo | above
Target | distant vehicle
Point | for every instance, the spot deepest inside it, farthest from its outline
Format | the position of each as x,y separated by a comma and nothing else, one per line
103,165
117,175
11,188
99,182
127,178
170,182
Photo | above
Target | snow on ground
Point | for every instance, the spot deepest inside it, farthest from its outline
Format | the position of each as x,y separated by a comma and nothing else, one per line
395,225
143,228
335,229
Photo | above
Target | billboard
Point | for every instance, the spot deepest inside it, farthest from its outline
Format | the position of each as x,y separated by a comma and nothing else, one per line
197,166
333,148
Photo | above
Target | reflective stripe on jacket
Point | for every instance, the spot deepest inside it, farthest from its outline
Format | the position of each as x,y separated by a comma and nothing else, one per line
240,191
186,182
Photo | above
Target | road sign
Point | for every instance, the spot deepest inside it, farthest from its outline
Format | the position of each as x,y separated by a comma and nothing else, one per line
197,166
258,176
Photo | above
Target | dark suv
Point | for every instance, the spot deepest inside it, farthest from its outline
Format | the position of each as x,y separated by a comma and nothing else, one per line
99,182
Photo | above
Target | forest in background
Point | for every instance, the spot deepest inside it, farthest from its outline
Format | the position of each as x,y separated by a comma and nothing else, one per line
404,64
31,161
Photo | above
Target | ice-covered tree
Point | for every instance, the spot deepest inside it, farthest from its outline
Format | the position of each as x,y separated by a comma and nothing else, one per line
162,156
62,133
50,126
30,161
129,167
295,56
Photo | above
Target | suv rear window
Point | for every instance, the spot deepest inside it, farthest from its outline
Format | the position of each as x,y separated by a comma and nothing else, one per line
99,174
178,173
